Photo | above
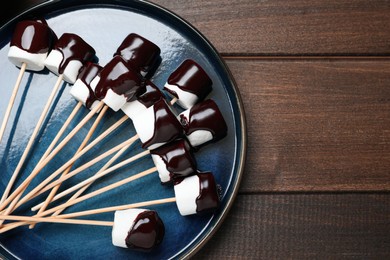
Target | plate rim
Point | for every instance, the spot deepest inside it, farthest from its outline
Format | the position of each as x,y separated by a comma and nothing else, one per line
241,154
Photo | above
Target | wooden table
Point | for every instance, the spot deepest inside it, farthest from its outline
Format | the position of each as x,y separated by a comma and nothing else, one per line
315,80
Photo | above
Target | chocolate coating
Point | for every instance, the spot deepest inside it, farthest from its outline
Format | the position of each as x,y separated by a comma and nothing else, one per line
147,232
178,158
208,199
86,75
167,127
150,94
33,36
73,47
205,116
190,77
120,78
140,53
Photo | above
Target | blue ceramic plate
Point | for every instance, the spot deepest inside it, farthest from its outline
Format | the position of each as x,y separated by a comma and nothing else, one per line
104,24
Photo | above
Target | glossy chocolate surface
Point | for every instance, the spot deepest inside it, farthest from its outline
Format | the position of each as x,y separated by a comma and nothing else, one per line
33,36
147,232
140,53
150,94
205,116
167,127
73,47
120,78
208,199
192,78
178,158
87,74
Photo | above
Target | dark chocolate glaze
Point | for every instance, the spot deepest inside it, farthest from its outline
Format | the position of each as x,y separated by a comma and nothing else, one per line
120,78
147,232
178,158
166,126
150,94
33,36
205,116
140,53
190,77
73,47
87,74
208,199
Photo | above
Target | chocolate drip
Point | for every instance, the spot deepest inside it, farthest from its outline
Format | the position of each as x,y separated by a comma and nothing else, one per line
140,53
121,79
33,37
208,199
178,158
191,77
166,126
87,74
73,47
205,116
147,232
150,95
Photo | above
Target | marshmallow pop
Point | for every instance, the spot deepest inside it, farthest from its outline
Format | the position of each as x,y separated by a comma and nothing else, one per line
203,123
138,229
117,83
140,53
189,83
81,89
69,55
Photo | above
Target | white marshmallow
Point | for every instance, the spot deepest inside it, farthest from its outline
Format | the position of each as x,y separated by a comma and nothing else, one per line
114,101
81,93
144,124
197,137
53,62
186,193
34,61
163,173
123,223
133,108
184,99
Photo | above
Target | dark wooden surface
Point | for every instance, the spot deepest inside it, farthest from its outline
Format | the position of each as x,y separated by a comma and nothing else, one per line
315,80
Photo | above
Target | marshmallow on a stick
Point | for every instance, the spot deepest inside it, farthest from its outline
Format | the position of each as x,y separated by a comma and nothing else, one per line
117,83
189,83
138,229
174,160
140,53
196,194
203,123
157,125
31,42
81,89
150,95
69,55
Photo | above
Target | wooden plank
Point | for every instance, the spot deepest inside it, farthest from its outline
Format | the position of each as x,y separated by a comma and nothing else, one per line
282,27
315,125
317,226
279,27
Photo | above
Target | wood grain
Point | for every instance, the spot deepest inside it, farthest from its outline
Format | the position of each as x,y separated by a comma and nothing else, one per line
280,27
321,226
315,125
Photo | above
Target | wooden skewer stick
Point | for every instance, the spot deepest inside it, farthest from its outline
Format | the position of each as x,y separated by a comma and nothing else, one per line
12,99
19,191
81,190
82,145
91,179
58,220
32,193
10,226
38,190
32,139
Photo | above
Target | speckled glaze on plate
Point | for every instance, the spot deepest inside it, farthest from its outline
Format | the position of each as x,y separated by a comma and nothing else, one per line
104,24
